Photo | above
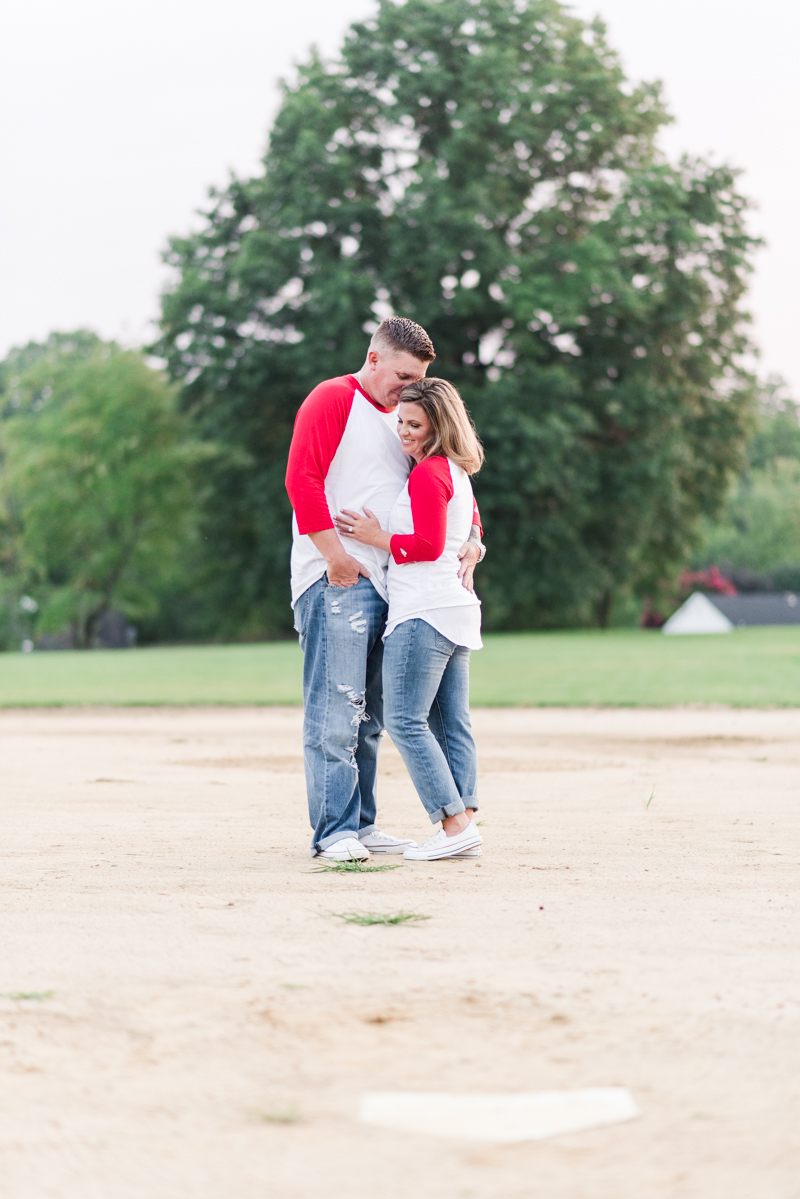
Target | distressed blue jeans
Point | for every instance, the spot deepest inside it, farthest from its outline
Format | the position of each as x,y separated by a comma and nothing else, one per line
340,634
426,707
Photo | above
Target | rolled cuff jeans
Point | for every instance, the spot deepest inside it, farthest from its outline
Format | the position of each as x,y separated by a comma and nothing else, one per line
426,707
340,634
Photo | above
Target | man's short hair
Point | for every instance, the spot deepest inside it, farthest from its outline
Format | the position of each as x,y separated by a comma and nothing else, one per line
399,335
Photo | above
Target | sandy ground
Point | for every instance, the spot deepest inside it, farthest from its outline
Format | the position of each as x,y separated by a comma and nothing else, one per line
156,880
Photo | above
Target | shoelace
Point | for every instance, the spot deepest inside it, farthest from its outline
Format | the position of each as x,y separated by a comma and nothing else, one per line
434,840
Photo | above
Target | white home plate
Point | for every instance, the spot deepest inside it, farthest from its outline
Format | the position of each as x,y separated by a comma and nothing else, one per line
524,1116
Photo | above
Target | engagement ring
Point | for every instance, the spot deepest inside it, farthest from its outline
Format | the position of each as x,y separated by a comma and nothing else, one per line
352,530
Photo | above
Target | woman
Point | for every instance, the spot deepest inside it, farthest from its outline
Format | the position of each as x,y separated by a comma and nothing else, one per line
433,622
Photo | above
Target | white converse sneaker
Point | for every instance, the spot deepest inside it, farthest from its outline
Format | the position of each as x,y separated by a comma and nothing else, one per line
442,846
349,849
378,842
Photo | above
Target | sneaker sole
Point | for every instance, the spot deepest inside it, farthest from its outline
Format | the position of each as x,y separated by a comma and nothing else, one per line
390,849
351,857
469,853
436,857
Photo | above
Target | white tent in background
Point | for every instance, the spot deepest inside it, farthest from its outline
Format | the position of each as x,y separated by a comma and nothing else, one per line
698,615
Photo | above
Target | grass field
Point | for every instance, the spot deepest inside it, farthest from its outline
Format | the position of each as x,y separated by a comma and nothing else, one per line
750,666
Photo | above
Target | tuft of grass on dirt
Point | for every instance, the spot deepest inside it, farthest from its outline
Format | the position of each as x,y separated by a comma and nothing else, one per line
379,917
650,800
28,994
279,1115
353,866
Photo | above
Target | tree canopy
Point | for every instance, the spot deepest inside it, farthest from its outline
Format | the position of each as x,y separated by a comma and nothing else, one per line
96,490
485,169
756,538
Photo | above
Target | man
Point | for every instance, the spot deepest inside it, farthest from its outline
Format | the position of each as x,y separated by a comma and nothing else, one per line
345,453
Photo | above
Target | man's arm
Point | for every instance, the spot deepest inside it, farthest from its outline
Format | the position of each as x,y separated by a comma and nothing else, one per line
318,429
343,570
473,551
475,538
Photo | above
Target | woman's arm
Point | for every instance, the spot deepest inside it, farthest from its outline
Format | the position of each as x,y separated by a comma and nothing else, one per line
430,489
366,529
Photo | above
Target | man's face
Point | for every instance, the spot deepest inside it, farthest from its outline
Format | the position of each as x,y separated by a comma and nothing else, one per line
386,375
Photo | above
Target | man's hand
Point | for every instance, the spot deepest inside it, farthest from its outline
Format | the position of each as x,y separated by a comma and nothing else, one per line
343,571
469,556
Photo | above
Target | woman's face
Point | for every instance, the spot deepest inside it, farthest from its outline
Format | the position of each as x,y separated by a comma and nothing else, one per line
414,428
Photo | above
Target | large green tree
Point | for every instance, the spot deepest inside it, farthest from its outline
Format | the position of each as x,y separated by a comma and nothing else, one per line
96,481
484,168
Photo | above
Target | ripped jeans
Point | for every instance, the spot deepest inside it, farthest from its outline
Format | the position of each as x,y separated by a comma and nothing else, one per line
340,635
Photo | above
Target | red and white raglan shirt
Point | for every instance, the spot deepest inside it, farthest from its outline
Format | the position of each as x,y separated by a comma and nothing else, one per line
345,453
429,524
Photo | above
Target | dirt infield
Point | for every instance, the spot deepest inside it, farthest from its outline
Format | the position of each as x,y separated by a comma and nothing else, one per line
182,1018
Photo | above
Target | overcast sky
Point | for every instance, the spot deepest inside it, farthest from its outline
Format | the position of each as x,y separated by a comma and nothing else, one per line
117,117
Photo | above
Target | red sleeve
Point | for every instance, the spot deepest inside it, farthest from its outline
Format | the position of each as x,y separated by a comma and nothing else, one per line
430,489
318,428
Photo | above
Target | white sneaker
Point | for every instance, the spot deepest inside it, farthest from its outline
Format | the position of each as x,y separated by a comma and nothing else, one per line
349,849
378,842
442,846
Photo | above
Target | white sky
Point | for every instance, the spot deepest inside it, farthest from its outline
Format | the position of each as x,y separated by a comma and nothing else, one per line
116,117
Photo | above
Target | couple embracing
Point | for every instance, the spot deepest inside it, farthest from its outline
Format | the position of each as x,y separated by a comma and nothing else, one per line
386,536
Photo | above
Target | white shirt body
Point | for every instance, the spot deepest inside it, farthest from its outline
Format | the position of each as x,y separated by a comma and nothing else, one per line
368,470
432,591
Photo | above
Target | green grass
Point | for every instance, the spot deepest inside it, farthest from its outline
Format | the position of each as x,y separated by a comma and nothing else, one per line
193,674
631,666
28,994
621,666
353,866
279,1115
379,917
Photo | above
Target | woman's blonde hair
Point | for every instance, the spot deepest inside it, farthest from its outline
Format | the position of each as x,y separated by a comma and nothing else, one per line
453,433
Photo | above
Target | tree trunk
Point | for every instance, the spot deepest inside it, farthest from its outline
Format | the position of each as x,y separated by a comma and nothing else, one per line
603,608
90,625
